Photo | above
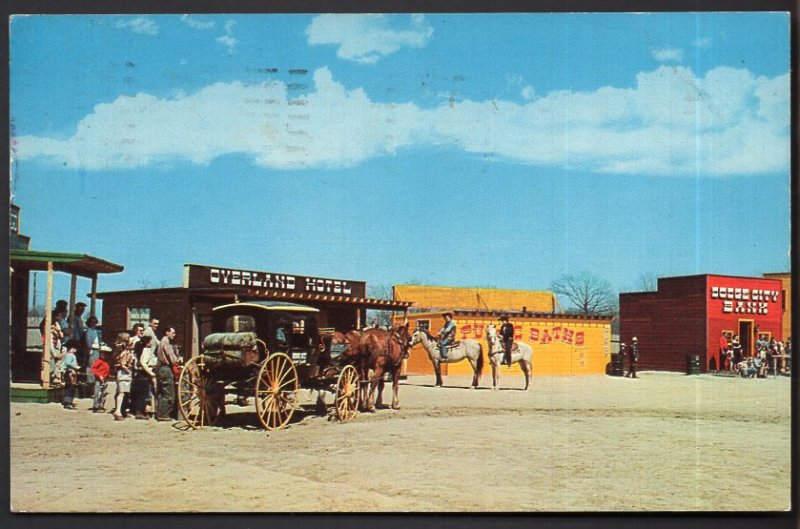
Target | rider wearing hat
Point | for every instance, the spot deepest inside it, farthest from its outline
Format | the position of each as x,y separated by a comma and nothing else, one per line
633,357
447,334
507,336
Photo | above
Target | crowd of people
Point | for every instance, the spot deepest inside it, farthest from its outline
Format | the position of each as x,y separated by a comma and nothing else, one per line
144,365
768,354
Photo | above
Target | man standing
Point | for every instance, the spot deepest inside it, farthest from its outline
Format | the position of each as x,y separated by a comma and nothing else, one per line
633,357
78,331
154,341
507,336
724,353
167,360
447,334
91,344
137,332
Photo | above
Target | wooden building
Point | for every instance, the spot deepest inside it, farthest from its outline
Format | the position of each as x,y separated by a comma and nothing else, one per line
342,302
687,315
562,344
786,283
428,297
30,367
33,365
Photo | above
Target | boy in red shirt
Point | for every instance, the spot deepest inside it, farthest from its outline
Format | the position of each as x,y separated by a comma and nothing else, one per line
101,369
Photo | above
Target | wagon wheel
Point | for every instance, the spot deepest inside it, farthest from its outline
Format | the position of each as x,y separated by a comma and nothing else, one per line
276,391
197,398
347,390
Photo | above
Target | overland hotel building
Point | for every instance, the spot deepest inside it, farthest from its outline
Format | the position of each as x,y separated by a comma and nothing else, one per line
342,302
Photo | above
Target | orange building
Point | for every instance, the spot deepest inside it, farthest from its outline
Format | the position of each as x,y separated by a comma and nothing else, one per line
562,344
435,297
786,285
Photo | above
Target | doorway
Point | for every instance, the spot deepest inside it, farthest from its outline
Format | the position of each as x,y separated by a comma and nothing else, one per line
746,336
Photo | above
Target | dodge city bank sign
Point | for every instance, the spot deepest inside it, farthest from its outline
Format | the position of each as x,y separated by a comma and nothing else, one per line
740,300
197,276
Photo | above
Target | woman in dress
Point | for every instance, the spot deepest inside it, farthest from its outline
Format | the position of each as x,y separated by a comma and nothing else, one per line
736,349
125,365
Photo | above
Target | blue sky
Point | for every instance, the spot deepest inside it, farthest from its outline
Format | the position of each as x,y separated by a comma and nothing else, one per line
493,150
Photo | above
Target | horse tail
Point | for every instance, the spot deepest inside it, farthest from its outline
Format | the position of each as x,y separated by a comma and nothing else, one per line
479,363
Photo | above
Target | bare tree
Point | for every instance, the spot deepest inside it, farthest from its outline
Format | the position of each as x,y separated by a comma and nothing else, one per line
383,318
146,284
587,294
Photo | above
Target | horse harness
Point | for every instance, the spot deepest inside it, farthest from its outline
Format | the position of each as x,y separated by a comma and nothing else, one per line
389,335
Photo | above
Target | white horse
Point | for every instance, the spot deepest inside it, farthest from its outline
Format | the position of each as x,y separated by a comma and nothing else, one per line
522,354
469,349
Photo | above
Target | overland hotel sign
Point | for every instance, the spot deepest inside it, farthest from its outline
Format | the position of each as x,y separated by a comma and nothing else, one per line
200,276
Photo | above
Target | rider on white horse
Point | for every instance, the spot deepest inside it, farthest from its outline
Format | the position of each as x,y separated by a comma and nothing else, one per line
447,334
507,336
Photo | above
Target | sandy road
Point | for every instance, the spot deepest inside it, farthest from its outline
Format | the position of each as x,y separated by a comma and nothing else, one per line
663,442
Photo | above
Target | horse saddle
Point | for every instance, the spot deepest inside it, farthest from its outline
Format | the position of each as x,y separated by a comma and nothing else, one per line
453,345
514,349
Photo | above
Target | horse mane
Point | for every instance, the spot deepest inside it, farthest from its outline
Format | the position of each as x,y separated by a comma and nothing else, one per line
429,335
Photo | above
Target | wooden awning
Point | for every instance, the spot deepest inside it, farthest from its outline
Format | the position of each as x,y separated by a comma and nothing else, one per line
72,263
369,303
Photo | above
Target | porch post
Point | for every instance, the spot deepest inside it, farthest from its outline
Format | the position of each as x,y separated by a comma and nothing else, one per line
48,322
73,289
93,302
195,333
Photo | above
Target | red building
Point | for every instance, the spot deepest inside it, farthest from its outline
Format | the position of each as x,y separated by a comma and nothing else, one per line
687,315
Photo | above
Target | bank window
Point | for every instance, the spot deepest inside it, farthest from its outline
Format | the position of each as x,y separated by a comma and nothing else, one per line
138,315
424,325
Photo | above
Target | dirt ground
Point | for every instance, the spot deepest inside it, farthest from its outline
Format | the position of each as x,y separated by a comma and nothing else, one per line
664,442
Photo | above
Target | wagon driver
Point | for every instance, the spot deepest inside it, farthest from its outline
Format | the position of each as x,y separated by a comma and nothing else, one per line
507,336
447,334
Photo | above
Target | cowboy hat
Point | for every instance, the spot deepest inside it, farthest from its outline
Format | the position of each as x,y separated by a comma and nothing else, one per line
634,339
503,317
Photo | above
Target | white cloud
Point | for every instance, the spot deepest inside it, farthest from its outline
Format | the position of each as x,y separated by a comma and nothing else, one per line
192,22
702,42
368,38
228,39
670,123
528,92
668,55
140,25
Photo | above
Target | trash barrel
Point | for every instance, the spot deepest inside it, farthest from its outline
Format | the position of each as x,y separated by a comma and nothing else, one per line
693,365
616,366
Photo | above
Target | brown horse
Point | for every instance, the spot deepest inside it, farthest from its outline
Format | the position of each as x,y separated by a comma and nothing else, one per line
383,351
349,342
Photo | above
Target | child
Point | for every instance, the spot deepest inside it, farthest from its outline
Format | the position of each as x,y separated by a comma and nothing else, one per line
100,370
71,369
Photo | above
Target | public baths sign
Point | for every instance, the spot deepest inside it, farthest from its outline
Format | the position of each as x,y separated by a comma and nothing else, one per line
201,276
